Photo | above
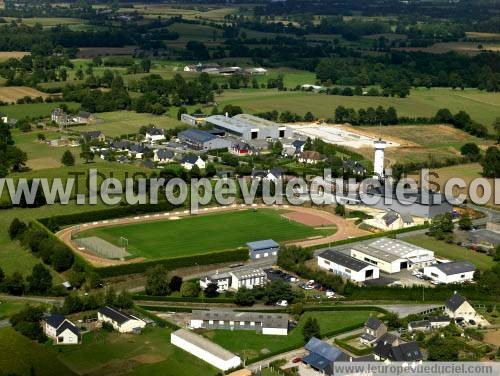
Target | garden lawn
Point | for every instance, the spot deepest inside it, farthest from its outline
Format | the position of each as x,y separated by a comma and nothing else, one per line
451,251
204,233
249,344
20,356
150,353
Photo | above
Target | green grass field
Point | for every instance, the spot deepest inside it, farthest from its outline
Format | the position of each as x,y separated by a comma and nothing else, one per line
114,353
35,110
451,251
249,344
117,123
19,356
481,106
203,234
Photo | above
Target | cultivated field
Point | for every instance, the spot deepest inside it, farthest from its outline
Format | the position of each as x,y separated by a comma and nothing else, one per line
6,55
153,11
11,94
483,107
249,344
420,142
451,251
204,233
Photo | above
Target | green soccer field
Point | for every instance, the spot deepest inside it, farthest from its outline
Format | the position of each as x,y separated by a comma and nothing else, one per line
205,233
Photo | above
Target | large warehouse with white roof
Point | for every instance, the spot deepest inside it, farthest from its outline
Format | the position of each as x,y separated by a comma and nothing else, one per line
391,255
249,127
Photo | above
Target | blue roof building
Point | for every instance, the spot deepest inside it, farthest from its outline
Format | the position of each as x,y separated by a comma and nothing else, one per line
322,356
202,140
263,248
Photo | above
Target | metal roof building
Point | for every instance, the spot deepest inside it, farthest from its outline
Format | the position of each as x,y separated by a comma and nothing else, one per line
202,140
204,349
263,248
451,272
347,266
249,127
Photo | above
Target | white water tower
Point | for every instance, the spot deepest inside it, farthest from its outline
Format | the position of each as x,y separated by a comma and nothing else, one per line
378,164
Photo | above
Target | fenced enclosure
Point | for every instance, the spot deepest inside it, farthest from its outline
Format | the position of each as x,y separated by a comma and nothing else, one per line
102,248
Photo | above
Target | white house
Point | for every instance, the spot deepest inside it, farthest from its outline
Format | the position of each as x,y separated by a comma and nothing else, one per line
204,349
451,272
155,134
347,266
189,161
222,280
457,307
247,277
265,323
434,322
61,330
121,321
3,118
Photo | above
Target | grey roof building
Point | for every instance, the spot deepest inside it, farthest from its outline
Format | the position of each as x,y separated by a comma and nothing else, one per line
263,248
202,140
455,302
456,267
249,127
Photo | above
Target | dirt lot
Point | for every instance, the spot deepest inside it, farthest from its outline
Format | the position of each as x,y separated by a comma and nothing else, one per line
12,93
492,337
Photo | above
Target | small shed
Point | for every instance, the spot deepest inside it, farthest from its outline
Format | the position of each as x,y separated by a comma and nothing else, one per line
263,248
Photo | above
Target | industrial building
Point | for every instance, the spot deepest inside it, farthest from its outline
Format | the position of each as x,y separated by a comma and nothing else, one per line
249,127
451,272
204,349
390,255
265,323
202,140
193,119
347,266
263,248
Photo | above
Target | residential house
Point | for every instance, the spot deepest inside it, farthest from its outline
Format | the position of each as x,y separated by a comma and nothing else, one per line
451,272
275,174
265,323
222,280
351,167
398,352
430,323
374,329
189,161
155,134
120,145
84,117
163,156
93,136
322,356
458,308
309,157
61,330
137,151
121,321
3,118
241,149
59,116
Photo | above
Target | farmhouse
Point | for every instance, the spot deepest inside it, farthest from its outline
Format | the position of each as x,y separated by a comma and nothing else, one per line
391,255
247,277
155,134
84,117
249,127
321,356
373,330
61,330
202,140
458,308
204,349
222,280
189,161
59,117
121,321
451,272
263,248
163,156
309,157
347,266
93,136
265,323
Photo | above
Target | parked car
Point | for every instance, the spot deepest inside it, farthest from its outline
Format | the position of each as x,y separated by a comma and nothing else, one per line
302,285
317,296
329,294
282,303
297,360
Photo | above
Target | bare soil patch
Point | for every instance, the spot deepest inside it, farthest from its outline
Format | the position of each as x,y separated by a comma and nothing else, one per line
10,94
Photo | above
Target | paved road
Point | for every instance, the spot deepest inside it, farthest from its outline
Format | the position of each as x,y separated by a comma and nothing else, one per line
404,310
40,299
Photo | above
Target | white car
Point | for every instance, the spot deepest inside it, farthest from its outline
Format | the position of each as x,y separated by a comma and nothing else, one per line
282,303
329,294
